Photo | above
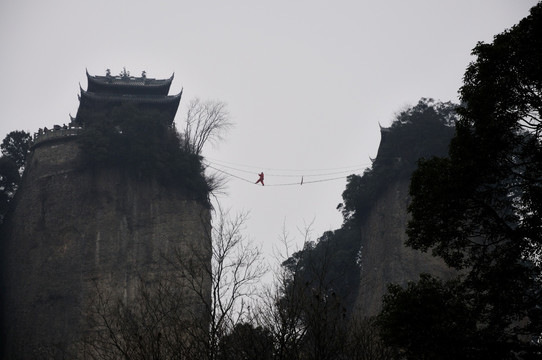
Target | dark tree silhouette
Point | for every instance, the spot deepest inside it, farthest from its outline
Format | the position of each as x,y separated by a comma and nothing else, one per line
480,209
16,146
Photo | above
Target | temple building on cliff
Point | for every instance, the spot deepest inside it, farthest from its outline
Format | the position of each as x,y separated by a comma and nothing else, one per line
106,92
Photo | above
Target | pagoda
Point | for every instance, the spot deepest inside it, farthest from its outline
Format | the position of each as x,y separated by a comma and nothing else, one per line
107,92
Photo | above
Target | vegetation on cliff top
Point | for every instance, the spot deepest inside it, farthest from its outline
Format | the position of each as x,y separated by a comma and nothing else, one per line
144,145
421,131
141,143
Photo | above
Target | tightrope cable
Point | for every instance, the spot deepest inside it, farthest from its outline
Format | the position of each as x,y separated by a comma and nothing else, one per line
228,164
350,170
302,182
227,173
308,182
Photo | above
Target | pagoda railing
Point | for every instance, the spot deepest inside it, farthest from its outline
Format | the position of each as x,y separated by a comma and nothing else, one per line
57,132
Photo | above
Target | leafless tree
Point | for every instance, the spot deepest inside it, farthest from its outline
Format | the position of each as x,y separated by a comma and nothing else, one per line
281,308
306,318
287,309
152,325
200,308
234,275
364,343
185,312
206,122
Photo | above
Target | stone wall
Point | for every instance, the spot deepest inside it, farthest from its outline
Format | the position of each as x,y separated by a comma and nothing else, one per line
75,231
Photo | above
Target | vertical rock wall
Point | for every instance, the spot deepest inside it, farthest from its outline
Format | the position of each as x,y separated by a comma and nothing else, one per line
74,230
385,258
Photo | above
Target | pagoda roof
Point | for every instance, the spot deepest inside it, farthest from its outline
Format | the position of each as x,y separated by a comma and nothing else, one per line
126,84
134,98
168,104
104,93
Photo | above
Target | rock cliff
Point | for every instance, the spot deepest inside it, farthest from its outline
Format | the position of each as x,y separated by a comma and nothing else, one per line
384,257
74,231
380,210
368,252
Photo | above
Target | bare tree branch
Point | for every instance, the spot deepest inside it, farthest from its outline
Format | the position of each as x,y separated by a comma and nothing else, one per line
206,122
234,271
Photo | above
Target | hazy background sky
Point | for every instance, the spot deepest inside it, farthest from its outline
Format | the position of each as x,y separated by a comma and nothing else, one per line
306,82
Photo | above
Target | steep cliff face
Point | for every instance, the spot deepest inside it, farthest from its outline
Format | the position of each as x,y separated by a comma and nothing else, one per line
380,204
75,231
384,257
368,252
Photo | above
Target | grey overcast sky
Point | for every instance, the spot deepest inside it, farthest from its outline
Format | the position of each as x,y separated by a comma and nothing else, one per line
306,82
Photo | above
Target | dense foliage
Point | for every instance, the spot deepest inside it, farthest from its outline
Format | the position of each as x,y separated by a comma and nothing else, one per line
421,131
9,179
417,311
143,144
15,148
480,209
247,342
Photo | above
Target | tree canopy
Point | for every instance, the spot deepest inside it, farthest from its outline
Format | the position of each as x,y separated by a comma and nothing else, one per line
143,144
9,179
480,208
16,146
423,130
417,311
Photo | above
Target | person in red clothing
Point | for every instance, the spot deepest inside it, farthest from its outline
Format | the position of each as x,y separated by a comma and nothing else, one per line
260,179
